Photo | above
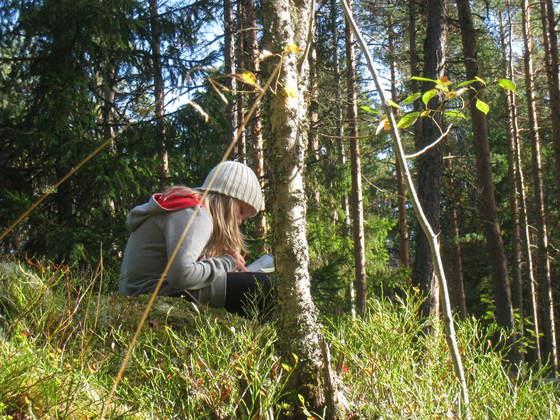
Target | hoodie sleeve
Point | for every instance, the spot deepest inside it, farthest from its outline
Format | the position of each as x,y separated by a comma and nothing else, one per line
188,272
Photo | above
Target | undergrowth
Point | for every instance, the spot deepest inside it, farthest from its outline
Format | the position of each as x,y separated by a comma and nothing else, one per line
61,346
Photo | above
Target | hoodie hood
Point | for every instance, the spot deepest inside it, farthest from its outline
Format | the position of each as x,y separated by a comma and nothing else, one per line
157,205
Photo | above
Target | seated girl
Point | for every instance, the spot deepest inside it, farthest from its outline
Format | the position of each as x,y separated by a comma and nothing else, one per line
209,267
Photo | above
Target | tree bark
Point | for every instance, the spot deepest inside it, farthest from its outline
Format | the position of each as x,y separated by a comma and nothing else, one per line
256,126
543,261
341,147
457,285
159,94
356,203
430,164
230,68
515,205
550,38
487,202
286,25
520,187
401,193
313,128
241,148
413,88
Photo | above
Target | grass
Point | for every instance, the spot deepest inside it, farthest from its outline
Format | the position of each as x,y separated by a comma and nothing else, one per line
61,344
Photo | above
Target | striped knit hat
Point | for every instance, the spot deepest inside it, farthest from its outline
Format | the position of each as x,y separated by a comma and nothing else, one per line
236,180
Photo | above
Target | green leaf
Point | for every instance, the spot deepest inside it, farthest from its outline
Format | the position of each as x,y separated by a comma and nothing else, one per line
479,79
410,99
393,104
507,84
428,95
454,115
482,106
408,120
369,109
466,83
423,79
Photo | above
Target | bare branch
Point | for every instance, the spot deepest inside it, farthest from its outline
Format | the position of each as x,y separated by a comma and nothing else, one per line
429,146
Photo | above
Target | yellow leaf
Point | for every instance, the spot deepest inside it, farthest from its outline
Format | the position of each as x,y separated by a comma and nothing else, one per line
249,78
292,48
291,92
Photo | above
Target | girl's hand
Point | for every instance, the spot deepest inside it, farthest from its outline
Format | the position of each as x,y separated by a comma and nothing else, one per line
239,261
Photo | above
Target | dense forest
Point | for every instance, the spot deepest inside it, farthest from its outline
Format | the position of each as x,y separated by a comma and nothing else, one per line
409,151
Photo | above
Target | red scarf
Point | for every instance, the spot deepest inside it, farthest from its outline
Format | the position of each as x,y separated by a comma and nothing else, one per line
178,202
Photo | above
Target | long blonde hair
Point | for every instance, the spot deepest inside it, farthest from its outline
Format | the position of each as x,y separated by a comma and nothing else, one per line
226,235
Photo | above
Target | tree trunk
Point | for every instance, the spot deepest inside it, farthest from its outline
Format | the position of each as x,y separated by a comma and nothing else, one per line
457,284
403,225
241,148
286,24
347,229
159,93
515,205
230,68
313,129
356,203
543,262
430,164
487,202
256,122
520,188
60,62
413,88
550,39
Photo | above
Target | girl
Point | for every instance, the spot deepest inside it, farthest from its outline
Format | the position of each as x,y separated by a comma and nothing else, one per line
204,269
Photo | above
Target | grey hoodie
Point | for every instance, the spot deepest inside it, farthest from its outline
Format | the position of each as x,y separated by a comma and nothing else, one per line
155,232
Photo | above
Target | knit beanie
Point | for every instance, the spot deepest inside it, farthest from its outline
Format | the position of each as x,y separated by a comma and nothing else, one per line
236,180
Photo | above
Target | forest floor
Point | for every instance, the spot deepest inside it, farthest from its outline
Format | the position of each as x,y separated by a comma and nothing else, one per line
62,342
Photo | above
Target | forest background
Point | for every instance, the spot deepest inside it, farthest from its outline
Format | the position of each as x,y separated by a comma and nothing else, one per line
155,92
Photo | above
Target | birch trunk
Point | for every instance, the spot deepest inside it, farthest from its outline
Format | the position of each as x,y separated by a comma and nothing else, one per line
286,25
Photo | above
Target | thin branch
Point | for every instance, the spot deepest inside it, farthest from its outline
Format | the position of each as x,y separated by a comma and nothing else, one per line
429,146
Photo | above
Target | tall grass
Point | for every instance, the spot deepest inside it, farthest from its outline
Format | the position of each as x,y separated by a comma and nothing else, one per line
61,346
